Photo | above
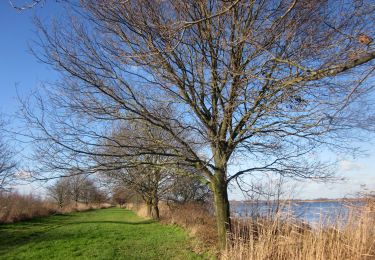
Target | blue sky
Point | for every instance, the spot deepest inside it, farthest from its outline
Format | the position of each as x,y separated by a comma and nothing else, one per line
20,68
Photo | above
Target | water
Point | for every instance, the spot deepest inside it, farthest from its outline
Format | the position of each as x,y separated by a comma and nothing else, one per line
323,212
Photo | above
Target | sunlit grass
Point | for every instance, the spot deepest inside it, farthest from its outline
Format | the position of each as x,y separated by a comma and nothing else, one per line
100,234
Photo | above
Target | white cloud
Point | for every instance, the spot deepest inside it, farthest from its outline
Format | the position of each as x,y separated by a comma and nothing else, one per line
23,175
347,165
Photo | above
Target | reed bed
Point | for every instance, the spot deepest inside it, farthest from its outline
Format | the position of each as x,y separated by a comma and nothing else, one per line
283,237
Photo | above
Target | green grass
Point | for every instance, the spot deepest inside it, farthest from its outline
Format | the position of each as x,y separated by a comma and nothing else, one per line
100,234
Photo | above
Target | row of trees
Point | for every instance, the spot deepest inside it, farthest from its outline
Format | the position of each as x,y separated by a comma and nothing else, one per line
153,176
76,189
153,185
218,90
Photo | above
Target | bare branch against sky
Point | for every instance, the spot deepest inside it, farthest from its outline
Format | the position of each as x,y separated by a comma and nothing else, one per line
25,5
8,165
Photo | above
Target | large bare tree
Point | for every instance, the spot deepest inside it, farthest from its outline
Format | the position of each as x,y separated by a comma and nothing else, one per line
259,84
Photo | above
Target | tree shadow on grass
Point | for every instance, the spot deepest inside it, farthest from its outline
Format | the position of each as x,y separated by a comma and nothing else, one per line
39,230
37,243
15,238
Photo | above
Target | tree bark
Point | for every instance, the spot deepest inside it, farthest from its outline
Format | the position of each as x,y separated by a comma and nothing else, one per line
222,209
155,211
155,206
149,209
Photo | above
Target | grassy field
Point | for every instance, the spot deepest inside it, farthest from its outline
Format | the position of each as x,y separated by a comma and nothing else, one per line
100,234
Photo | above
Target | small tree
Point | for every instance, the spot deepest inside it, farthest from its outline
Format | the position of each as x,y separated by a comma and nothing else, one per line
122,195
99,197
150,175
60,192
150,183
76,185
88,192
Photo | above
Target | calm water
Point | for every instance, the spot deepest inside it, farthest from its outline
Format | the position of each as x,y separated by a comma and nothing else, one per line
311,212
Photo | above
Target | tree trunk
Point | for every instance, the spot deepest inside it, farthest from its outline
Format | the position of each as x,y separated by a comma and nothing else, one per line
154,207
149,209
155,211
222,210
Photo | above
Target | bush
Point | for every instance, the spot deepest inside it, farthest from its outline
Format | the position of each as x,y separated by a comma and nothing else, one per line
16,207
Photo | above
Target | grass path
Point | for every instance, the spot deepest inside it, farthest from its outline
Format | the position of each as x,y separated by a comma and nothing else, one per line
101,234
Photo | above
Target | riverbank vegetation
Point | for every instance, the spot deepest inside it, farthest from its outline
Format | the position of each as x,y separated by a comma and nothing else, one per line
281,238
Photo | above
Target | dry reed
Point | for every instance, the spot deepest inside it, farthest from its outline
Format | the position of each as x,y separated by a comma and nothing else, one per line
17,207
279,238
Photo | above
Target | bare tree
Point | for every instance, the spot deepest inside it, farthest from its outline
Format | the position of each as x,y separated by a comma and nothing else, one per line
122,195
8,165
149,182
77,184
265,196
91,193
76,188
60,192
152,173
188,188
256,84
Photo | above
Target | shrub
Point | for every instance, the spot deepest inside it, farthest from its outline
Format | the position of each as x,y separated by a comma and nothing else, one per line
16,207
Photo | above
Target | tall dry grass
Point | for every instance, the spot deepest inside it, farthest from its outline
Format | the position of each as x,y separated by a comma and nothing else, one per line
280,238
196,218
17,207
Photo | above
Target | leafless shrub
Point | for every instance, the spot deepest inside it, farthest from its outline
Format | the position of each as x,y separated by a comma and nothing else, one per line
16,207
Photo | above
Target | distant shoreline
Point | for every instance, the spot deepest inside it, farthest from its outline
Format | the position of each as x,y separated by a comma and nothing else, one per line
301,200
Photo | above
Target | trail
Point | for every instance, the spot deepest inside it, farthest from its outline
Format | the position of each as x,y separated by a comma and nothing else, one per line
100,234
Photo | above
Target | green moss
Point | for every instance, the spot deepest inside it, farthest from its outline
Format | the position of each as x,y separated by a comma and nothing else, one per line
101,234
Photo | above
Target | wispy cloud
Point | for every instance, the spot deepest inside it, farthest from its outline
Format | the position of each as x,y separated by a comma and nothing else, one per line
347,165
23,175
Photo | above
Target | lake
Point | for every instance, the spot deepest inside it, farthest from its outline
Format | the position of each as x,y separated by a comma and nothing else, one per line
312,212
